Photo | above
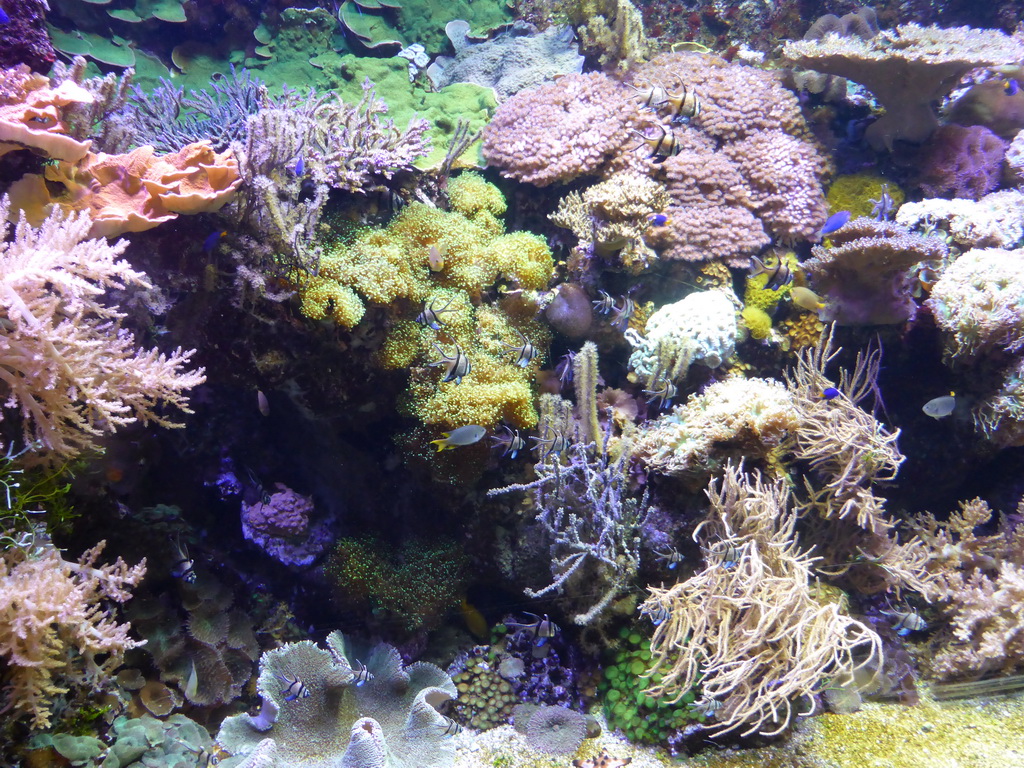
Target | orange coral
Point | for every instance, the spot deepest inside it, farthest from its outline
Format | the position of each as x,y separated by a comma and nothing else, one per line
31,114
135,191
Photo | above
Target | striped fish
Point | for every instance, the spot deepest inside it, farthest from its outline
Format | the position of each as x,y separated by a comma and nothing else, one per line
662,147
685,104
456,366
525,353
294,688
651,97
778,275
362,674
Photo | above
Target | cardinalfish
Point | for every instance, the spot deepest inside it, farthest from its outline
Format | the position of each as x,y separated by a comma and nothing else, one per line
456,366
184,567
604,305
557,443
451,728
730,554
905,622
428,318
511,440
662,395
622,316
670,557
651,97
541,629
526,353
778,275
467,435
658,613
685,104
705,706
662,147
294,688
564,369
362,674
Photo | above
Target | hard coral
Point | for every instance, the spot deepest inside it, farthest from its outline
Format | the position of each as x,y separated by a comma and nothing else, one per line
389,721
132,192
559,131
907,69
863,272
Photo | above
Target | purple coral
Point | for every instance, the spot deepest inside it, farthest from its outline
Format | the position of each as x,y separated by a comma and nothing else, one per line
25,38
961,162
280,526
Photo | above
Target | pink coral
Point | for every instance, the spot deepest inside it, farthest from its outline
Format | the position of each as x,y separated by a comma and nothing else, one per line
702,233
961,162
54,628
559,131
784,176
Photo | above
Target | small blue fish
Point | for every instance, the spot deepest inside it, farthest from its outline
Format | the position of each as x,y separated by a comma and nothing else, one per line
4,18
1011,87
835,221
658,220
300,167
829,393
212,240
294,688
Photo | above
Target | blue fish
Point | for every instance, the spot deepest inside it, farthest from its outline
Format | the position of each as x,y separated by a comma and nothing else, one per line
300,167
4,18
835,221
658,220
829,393
1011,87
212,239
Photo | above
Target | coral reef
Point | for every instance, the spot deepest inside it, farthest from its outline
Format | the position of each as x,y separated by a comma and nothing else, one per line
961,162
390,720
32,114
994,221
281,526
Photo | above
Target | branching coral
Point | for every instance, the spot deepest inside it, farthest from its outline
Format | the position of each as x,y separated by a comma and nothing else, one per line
54,628
749,627
67,368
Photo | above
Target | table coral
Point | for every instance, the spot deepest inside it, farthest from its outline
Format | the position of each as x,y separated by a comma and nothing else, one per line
389,721
907,69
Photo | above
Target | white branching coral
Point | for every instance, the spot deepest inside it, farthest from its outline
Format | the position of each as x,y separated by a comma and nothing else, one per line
67,367
53,624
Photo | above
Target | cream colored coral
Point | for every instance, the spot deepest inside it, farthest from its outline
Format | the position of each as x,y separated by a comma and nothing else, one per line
54,625
749,414
994,221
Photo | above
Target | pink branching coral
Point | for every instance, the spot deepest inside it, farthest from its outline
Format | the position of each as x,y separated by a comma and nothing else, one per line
67,368
559,131
53,625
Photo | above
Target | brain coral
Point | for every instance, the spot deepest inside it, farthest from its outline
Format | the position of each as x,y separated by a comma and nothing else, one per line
390,721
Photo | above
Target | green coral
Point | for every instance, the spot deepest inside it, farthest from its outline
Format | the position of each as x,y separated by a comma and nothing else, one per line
485,698
414,585
757,294
627,706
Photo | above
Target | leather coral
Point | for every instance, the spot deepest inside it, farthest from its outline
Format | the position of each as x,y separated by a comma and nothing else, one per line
132,192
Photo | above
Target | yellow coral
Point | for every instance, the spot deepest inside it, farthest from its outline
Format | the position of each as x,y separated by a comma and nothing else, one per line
756,294
854,193
758,322
469,194
803,330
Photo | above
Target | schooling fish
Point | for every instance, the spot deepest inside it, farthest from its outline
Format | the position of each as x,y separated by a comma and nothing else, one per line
294,688
467,435
670,557
834,222
882,207
456,366
940,407
662,147
658,614
778,275
451,728
621,318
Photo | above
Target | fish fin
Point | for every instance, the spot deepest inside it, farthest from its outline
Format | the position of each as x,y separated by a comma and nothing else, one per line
442,442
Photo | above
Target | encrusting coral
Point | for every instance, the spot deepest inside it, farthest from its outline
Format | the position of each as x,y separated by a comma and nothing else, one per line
55,631
388,721
68,369
32,114
749,628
